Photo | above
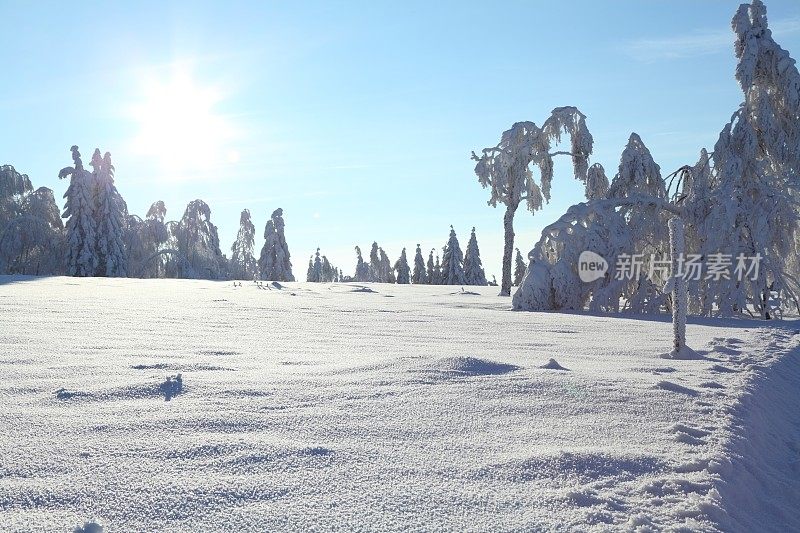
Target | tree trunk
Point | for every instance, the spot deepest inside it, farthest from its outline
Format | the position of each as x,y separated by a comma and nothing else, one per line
508,250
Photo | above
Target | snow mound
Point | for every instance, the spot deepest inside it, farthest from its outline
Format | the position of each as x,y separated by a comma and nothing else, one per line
172,387
362,289
89,527
64,394
674,387
467,367
552,364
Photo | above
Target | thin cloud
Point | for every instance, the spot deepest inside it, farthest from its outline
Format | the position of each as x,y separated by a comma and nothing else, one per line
697,43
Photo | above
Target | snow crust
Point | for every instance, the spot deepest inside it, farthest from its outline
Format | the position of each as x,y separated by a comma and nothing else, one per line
399,407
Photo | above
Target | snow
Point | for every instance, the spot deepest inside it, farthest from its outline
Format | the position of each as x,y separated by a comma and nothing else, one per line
398,407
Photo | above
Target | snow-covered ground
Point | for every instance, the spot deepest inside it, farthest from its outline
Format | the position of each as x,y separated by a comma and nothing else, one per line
379,407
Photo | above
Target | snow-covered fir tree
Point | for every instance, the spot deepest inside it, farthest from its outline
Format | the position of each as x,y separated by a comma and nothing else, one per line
111,216
506,168
519,269
453,262
81,226
243,263
363,271
430,270
275,263
385,271
402,269
437,277
315,268
420,275
198,241
473,267
32,242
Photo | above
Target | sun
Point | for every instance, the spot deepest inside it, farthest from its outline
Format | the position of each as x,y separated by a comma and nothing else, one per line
179,125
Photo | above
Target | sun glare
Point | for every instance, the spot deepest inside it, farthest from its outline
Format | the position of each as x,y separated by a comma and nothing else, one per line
179,126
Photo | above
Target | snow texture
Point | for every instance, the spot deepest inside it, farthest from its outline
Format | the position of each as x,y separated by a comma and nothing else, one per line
424,411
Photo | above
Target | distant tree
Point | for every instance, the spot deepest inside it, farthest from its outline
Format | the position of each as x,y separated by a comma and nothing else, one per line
81,227
437,278
111,214
402,269
243,263
315,269
519,269
386,272
506,168
431,270
420,276
473,267
275,263
453,262
363,273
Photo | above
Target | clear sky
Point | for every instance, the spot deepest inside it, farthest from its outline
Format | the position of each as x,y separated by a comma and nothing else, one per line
357,118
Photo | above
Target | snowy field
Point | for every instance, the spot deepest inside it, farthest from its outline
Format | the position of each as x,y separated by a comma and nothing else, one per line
380,407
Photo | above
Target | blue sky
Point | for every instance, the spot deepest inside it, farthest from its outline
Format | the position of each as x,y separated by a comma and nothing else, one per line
357,118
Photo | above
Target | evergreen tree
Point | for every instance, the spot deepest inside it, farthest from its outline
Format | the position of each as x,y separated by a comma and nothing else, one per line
81,228
453,262
430,270
385,268
519,269
375,263
275,263
197,240
111,215
362,268
473,268
437,273
243,263
402,269
420,276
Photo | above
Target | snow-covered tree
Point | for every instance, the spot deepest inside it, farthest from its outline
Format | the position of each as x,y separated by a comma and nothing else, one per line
385,268
275,263
81,227
506,168
420,275
111,215
363,273
402,269
473,268
243,263
198,241
33,241
742,200
431,270
453,262
315,269
437,278
13,188
519,269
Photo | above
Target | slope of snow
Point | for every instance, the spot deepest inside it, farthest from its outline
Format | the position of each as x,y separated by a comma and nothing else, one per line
370,406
